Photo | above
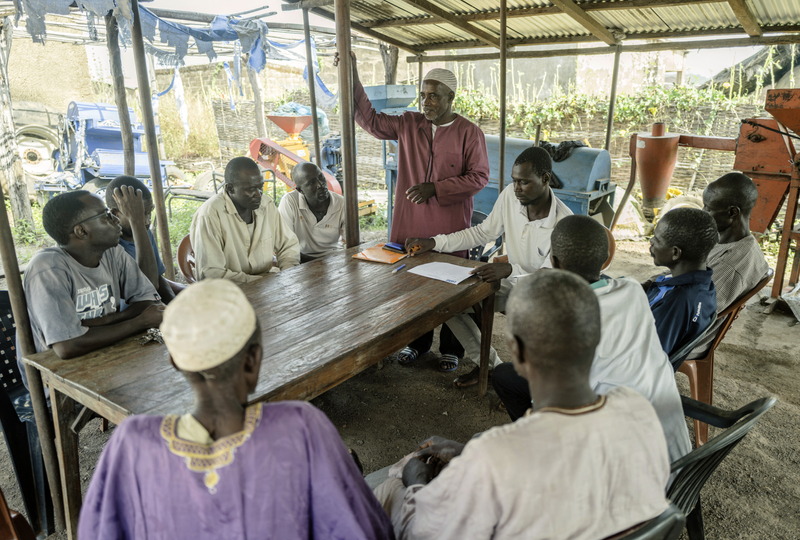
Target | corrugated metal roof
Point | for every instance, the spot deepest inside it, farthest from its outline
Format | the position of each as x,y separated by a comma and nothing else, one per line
680,19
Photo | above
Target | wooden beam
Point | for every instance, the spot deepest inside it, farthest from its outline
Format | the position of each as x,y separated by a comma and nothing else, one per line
494,14
648,47
587,21
368,32
745,17
306,4
446,16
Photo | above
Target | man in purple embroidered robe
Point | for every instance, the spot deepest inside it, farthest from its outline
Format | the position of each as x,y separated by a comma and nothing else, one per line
441,164
227,470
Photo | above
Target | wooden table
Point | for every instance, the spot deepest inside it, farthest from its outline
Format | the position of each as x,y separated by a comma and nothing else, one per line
322,323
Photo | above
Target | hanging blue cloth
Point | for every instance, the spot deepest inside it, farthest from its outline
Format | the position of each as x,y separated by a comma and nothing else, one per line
230,83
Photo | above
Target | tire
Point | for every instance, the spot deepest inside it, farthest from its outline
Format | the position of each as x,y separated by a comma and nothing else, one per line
175,174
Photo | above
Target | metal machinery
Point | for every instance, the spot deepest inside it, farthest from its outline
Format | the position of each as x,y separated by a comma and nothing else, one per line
764,152
90,153
586,174
391,99
281,157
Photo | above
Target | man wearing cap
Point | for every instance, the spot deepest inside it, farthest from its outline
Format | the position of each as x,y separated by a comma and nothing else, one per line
441,164
227,470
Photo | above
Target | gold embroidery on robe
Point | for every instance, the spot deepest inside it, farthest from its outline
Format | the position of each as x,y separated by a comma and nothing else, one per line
209,459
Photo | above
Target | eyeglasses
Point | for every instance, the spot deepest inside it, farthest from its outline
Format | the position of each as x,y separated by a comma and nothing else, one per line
106,213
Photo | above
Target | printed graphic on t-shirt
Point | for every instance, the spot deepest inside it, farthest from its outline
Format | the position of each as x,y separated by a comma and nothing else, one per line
90,303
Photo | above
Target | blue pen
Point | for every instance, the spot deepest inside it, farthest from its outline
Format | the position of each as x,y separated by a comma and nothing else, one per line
398,268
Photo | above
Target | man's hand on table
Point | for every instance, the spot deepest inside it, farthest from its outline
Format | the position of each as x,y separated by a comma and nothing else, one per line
152,315
417,472
493,272
418,246
421,192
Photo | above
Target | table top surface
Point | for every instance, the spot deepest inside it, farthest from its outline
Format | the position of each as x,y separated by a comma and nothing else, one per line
322,322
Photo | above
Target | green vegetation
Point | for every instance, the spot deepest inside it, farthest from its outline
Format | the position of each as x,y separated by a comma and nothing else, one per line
376,222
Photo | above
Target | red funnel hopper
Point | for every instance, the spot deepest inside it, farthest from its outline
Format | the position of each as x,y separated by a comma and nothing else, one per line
784,105
291,124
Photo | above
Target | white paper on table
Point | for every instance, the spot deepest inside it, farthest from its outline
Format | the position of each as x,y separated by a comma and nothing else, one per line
450,273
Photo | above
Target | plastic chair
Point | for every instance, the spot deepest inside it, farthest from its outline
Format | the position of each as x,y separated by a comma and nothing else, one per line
701,370
19,428
667,526
13,526
696,467
186,261
677,357
477,253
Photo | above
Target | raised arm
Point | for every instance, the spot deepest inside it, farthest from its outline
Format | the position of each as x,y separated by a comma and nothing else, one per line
380,126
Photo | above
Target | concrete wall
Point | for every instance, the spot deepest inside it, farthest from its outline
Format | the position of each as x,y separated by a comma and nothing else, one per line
54,74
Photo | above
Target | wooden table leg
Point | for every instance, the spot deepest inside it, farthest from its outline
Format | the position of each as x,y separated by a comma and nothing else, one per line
487,321
67,444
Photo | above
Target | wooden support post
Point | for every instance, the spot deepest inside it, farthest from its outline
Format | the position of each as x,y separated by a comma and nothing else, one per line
503,53
151,70
258,100
787,235
347,115
10,162
612,101
19,307
152,141
120,97
312,88
67,440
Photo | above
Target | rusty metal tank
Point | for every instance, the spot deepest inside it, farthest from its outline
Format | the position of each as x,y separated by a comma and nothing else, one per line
656,157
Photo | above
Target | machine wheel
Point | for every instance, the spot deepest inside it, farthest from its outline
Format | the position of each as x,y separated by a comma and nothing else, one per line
175,175
97,186
36,145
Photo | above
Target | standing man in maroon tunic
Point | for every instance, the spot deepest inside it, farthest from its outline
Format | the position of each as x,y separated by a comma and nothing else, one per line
441,164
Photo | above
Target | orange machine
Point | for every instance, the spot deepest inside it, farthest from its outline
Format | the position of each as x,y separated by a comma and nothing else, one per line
281,157
764,152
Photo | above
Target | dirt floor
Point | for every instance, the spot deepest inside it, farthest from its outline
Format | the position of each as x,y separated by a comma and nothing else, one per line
755,494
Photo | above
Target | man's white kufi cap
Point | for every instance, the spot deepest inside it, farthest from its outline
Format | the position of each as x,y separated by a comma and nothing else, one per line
444,76
207,324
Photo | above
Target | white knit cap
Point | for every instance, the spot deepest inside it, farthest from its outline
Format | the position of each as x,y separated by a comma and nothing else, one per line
207,324
444,76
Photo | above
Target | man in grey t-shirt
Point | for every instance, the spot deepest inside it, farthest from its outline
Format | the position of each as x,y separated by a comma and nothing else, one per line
74,290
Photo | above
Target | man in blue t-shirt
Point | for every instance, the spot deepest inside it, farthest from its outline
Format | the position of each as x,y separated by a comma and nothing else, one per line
683,301
132,203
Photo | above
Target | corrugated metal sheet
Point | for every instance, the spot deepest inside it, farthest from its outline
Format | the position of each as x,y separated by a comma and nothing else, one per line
680,19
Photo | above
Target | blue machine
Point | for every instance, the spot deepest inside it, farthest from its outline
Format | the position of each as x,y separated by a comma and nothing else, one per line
586,176
90,153
394,100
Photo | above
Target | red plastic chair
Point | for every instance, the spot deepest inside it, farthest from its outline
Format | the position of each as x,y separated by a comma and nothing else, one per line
701,370
186,260
13,526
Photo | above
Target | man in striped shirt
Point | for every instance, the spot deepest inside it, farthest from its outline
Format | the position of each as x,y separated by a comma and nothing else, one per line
737,260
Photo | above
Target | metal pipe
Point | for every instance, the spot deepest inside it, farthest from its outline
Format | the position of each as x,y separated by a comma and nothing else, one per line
419,84
612,102
346,113
312,88
120,96
503,54
19,307
152,141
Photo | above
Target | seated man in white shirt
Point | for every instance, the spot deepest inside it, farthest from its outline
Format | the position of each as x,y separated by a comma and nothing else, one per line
629,353
526,212
313,213
235,233
581,466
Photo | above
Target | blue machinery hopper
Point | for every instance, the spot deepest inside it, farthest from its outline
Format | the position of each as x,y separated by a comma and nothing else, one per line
90,149
586,174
